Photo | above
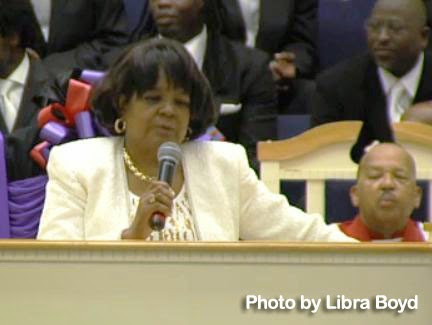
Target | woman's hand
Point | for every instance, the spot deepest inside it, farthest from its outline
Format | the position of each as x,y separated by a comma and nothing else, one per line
157,197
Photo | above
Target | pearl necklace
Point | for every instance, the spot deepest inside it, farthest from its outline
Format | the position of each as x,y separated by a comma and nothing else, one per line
131,166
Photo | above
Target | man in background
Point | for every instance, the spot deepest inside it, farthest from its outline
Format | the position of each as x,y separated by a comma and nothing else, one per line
379,86
239,76
79,33
21,75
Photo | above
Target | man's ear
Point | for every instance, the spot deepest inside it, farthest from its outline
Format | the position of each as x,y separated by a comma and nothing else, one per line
354,195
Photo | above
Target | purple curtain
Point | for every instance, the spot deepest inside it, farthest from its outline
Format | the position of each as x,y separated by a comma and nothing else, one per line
21,202
26,200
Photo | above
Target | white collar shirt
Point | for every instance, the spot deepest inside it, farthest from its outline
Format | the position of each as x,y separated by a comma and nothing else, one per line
409,82
42,9
197,47
251,15
12,90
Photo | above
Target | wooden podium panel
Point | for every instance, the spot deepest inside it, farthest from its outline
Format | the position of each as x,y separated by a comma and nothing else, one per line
207,283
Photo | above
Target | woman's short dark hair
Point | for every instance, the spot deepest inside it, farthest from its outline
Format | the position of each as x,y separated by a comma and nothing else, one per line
137,71
17,18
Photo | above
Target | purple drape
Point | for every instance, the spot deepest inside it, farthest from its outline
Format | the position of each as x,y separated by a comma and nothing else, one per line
21,202
26,200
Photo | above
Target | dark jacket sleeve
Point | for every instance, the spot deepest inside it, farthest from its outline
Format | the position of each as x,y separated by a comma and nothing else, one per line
302,36
324,102
342,91
259,105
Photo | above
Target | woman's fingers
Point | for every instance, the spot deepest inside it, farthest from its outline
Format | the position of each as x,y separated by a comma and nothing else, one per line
156,202
160,194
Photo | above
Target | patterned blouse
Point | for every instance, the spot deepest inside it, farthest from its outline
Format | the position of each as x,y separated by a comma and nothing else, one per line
178,227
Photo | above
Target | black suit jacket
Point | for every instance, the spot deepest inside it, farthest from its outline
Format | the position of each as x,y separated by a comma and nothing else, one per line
352,91
82,32
37,78
285,25
238,74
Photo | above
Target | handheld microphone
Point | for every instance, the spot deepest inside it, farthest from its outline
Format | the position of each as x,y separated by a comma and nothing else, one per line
169,155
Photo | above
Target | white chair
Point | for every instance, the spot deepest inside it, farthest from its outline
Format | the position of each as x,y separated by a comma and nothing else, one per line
322,153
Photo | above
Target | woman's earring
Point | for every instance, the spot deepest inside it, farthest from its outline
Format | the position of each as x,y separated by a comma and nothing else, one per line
120,126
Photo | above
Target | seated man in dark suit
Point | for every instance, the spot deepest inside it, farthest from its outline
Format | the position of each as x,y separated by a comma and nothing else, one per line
238,75
386,194
286,30
79,33
21,76
379,86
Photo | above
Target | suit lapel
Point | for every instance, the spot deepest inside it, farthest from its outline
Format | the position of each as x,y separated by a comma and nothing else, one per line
214,61
424,91
55,22
3,127
375,121
234,20
269,11
376,107
37,76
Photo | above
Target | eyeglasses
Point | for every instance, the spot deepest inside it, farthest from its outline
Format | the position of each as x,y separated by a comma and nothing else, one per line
391,26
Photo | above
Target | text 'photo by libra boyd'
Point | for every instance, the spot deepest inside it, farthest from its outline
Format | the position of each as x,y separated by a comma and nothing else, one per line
332,303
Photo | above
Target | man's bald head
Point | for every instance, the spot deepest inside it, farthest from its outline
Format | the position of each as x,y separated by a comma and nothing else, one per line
389,151
416,9
386,192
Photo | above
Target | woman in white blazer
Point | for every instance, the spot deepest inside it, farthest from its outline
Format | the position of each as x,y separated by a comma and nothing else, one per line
106,188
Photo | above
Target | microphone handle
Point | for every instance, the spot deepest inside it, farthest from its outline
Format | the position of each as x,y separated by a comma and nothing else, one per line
166,174
157,221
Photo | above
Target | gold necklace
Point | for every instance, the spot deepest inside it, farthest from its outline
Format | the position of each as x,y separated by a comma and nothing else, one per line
131,166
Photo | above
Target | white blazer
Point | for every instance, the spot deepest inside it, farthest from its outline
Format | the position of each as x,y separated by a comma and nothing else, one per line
87,196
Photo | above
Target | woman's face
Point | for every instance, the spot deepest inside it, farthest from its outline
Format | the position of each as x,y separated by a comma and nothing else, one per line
160,114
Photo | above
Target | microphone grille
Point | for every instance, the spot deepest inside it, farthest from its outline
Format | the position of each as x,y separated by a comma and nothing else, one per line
170,151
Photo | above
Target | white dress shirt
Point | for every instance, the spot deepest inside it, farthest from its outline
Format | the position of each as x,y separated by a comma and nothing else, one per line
42,10
251,15
11,92
400,92
197,47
